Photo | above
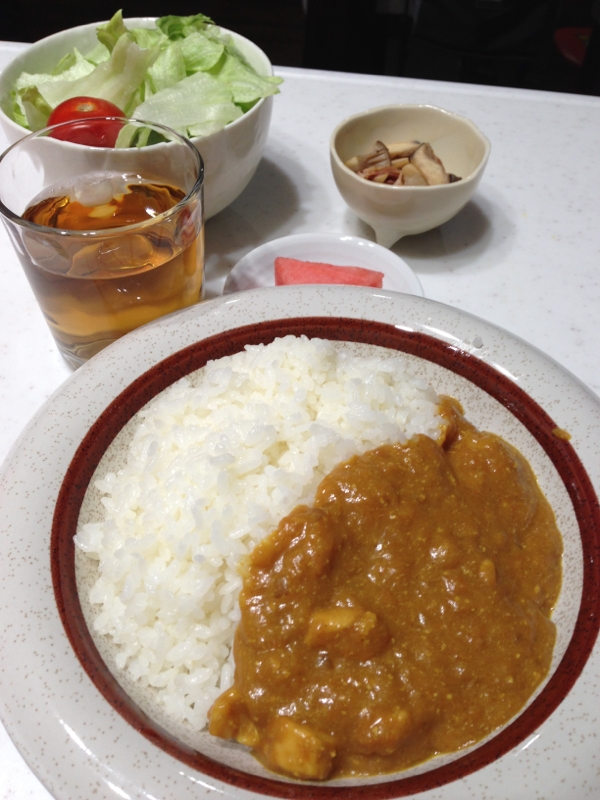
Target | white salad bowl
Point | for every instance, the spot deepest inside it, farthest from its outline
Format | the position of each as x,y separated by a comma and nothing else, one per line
230,155
396,211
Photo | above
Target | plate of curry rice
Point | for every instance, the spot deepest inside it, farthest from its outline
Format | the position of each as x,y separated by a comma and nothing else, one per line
307,542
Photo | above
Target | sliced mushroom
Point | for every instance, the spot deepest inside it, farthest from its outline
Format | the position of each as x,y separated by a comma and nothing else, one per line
353,163
403,149
388,165
372,172
380,174
378,157
380,177
432,169
411,176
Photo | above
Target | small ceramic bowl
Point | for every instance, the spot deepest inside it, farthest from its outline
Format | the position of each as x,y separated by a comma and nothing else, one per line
230,155
396,211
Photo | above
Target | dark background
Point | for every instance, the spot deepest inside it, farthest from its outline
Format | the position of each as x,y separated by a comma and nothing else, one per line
538,44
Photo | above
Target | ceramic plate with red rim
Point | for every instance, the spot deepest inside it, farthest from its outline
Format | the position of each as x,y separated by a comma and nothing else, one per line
86,734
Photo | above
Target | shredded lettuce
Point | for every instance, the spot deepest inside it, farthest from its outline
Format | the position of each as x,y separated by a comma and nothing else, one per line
168,69
110,33
180,27
30,109
35,109
114,80
200,53
70,68
184,73
245,85
195,106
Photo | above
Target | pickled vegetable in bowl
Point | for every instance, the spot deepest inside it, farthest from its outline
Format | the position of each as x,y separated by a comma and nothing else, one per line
402,164
427,196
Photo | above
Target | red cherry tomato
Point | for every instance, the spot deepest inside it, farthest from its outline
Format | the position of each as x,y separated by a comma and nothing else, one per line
97,133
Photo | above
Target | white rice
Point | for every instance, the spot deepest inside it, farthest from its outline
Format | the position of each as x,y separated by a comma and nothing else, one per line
215,462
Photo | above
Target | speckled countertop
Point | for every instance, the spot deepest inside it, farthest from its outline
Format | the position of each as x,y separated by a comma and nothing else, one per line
524,253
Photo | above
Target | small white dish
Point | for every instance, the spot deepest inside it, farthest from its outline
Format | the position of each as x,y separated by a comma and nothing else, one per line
256,269
396,211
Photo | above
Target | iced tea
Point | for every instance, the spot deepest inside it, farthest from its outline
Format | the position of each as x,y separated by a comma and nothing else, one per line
103,279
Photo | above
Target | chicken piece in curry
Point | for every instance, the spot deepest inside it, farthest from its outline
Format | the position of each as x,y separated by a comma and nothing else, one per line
405,614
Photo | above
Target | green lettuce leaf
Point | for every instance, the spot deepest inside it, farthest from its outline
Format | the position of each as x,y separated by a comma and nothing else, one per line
99,54
246,86
35,108
149,37
115,80
70,68
179,27
13,107
211,118
168,69
199,103
200,53
110,33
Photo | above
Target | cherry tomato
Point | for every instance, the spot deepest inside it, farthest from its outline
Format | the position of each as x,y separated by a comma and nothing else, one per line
96,132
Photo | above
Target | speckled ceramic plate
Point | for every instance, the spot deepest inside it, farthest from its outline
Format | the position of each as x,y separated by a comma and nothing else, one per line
84,735
256,269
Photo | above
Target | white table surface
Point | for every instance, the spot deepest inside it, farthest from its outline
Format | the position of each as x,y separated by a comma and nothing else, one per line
524,254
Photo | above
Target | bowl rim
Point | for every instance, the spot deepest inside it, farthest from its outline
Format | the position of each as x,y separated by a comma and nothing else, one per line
473,176
4,91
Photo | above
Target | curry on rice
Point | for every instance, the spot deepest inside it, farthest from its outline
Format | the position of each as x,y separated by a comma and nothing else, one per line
405,614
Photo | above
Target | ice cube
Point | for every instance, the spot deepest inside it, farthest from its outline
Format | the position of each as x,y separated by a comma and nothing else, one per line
100,188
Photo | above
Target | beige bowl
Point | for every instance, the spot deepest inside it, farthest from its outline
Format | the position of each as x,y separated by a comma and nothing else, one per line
396,211
230,155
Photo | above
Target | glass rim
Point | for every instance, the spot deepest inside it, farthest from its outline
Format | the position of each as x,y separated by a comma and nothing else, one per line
16,219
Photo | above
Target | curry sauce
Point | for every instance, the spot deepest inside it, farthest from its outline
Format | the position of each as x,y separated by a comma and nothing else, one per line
405,614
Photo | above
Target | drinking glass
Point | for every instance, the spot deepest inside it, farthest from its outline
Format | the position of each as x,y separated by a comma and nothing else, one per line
110,238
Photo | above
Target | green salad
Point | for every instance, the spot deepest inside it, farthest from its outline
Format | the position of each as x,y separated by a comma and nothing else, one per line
184,73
